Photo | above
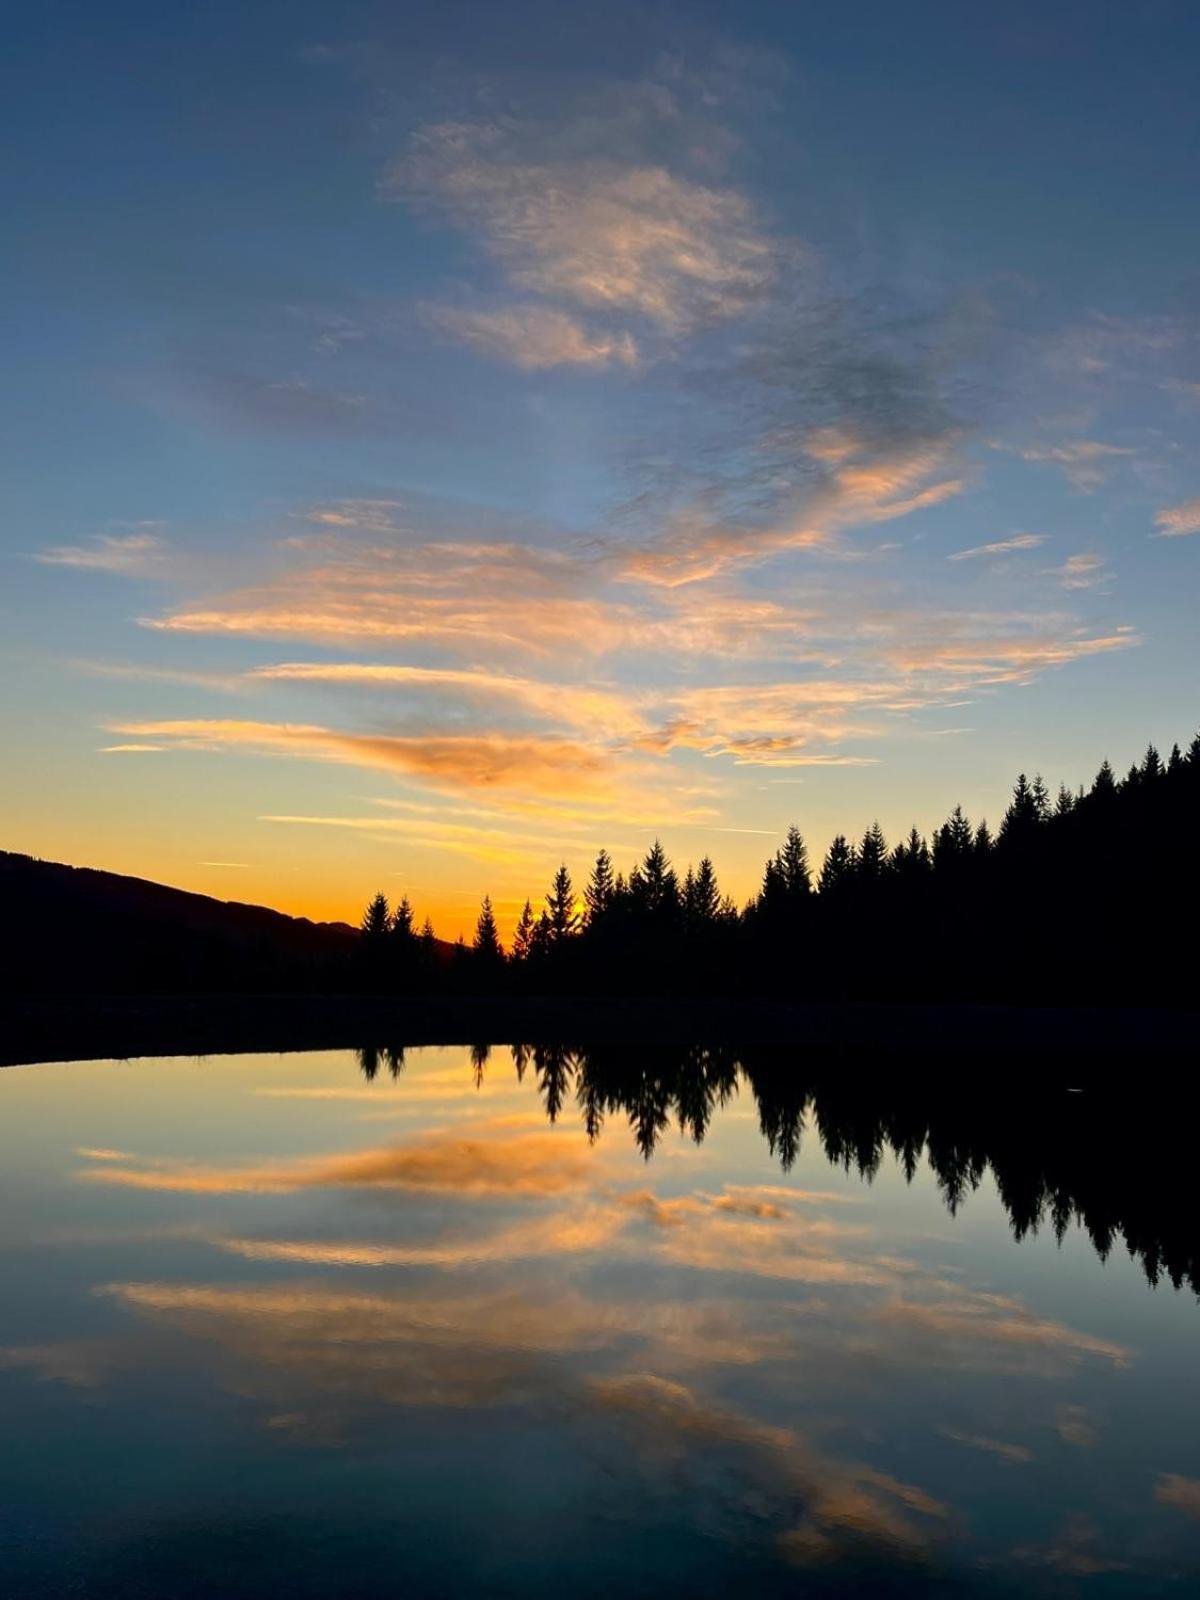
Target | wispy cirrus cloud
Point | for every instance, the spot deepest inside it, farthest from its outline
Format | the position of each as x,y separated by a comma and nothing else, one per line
132,555
607,712
863,486
535,337
1000,547
1085,463
1085,570
528,1165
1000,659
474,761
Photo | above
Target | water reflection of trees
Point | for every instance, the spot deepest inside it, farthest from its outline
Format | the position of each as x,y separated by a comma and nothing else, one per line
1116,1163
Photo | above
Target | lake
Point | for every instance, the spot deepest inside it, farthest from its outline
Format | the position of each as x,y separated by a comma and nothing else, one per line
517,1321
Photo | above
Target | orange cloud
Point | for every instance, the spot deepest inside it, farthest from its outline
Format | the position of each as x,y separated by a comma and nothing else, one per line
479,761
605,235
529,1164
863,487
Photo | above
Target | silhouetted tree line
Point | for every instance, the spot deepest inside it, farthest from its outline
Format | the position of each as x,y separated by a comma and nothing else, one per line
1119,1166
1084,896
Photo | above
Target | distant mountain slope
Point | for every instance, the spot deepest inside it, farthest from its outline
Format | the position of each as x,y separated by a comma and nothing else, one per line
81,930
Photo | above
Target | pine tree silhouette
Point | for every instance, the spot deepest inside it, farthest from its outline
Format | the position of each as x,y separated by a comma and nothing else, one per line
702,898
561,913
838,867
377,919
402,921
487,945
522,945
600,893
657,891
948,922
872,856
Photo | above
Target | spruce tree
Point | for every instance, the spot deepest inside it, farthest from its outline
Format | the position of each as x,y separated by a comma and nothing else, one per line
954,841
795,877
658,887
1023,814
838,865
600,892
910,859
542,938
706,896
377,920
487,941
1104,785
522,945
402,922
872,855
560,913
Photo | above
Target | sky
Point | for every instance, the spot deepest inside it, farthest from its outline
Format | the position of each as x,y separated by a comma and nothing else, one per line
440,440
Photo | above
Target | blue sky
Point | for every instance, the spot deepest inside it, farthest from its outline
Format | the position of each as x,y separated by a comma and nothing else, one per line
478,433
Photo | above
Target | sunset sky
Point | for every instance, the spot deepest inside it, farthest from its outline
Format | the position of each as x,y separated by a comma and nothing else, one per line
442,439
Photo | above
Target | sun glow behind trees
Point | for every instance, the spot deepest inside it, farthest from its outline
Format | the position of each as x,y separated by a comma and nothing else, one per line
950,918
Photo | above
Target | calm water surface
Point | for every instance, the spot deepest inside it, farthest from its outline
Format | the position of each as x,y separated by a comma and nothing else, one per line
366,1325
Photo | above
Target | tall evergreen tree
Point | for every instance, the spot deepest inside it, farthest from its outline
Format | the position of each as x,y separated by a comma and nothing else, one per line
953,842
701,896
793,865
377,919
522,945
1023,814
561,912
910,858
402,922
542,938
600,893
658,887
487,945
872,856
1104,785
838,866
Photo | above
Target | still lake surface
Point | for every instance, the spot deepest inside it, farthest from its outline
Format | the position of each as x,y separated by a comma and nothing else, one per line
452,1322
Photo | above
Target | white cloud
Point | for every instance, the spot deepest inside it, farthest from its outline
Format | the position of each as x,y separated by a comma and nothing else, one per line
1082,571
131,555
1001,547
1085,463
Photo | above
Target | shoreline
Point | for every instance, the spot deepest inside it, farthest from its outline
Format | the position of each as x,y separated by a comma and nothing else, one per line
43,1029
